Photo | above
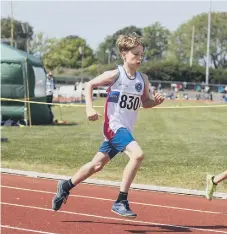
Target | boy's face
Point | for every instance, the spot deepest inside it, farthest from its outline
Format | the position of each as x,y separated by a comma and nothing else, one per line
134,56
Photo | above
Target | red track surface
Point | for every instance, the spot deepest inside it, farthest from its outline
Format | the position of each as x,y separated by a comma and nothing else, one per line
26,207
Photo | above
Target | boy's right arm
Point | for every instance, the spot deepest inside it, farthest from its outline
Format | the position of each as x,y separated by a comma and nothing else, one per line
107,78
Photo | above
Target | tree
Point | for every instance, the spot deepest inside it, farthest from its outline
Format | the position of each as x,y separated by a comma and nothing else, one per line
107,51
182,38
65,53
156,41
19,36
40,45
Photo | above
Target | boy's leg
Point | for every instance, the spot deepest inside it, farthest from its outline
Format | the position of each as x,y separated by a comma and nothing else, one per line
220,177
133,150
84,172
136,157
97,163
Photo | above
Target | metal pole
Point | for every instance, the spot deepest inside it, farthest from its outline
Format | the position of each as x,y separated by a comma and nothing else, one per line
12,26
25,29
28,95
192,44
208,47
27,37
82,65
109,57
108,54
27,44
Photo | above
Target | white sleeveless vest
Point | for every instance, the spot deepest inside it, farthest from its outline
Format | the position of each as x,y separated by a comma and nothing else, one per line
123,102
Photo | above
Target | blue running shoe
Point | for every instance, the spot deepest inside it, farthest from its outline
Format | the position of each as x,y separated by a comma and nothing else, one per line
60,197
122,208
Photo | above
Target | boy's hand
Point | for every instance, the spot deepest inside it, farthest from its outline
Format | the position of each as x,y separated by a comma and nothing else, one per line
92,114
158,98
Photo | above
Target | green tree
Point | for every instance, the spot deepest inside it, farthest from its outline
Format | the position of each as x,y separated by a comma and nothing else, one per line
156,41
182,38
65,53
19,36
40,45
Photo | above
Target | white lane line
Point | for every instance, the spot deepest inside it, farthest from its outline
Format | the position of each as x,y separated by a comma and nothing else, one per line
27,230
96,182
106,199
117,219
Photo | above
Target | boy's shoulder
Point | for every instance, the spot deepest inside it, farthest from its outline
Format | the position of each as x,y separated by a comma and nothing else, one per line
111,73
145,76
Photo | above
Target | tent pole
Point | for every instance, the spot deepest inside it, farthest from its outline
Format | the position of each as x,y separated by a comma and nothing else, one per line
27,87
25,96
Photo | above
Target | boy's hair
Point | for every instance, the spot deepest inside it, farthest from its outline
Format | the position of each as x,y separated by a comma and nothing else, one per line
127,42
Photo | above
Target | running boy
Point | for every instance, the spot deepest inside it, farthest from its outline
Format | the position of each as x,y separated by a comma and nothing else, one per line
127,89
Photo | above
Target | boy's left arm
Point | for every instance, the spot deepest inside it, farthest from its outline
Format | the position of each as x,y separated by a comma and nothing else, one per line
147,102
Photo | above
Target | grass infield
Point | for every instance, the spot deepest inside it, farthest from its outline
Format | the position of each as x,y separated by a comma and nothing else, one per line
181,145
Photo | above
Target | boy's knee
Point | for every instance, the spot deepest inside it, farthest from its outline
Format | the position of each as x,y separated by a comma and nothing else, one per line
99,161
97,166
134,151
139,156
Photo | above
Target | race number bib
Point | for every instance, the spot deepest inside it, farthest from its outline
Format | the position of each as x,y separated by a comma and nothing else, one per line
129,101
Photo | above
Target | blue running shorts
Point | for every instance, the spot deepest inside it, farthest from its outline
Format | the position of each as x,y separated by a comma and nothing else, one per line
117,143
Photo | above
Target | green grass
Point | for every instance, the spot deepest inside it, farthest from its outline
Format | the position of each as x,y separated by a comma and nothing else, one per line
180,145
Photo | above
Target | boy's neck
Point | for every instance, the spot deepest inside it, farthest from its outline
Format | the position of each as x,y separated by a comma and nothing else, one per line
130,71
